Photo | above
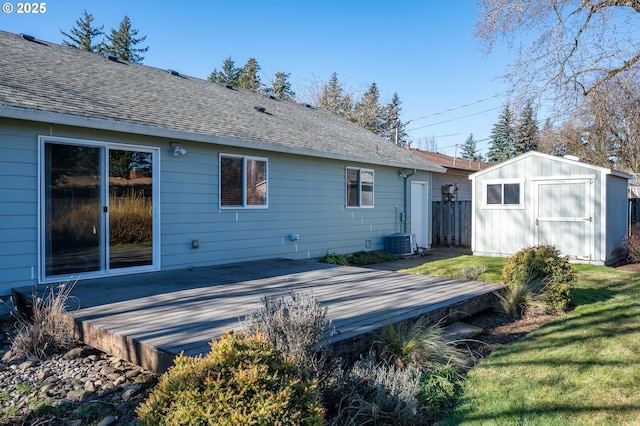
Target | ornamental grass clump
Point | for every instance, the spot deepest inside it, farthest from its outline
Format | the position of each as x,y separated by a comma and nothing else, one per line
541,272
417,343
49,329
244,380
520,297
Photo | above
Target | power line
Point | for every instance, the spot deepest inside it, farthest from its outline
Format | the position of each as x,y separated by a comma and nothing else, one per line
457,108
453,119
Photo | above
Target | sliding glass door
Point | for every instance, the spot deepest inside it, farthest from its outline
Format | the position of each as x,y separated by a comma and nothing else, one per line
98,209
72,209
130,208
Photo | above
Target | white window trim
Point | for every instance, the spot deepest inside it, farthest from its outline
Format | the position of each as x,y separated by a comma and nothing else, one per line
346,194
244,182
519,206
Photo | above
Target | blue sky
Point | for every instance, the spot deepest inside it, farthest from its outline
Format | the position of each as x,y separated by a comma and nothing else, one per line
422,49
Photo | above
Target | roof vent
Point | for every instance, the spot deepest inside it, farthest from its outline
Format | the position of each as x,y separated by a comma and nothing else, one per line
272,96
173,72
113,58
259,108
27,37
228,86
307,105
572,158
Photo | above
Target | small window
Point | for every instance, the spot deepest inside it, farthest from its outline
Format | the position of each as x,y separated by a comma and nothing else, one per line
503,194
359,187
243,181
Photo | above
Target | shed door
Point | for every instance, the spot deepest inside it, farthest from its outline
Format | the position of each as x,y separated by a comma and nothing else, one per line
564,216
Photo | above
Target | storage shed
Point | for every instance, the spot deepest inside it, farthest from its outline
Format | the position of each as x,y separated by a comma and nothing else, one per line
538,199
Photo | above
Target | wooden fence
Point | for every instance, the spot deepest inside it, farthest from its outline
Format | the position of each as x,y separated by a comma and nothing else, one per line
451,223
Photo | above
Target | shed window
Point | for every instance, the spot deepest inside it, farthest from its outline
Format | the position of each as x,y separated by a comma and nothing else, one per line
243,181
359,187
503,194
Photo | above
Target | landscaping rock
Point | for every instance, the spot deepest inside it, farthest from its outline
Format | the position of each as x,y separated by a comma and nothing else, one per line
109,420
459,331
82,386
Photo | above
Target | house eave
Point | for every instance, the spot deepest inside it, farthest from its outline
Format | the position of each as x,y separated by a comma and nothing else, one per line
145,130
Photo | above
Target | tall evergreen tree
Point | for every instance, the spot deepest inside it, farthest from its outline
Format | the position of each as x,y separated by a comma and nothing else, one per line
81,36
123,42
393,128
469,149
248,78
367,112
527,137
228,75
502,137
280,87
333,99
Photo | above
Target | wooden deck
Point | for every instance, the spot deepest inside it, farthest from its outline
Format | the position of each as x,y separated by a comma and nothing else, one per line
150,318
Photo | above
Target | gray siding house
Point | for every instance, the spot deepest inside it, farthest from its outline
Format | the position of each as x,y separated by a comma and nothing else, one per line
109,167
538,199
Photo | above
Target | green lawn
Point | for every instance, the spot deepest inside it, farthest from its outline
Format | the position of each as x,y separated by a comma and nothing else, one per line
451,268
583,368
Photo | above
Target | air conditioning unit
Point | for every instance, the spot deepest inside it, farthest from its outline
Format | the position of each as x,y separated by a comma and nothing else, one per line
399,243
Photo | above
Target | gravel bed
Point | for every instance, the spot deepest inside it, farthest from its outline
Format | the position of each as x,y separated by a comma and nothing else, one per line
83,386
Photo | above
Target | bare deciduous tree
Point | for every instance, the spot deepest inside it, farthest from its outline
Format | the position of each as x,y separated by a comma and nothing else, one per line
564,48
581,57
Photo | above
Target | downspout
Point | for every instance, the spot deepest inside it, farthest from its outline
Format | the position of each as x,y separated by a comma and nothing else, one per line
406,198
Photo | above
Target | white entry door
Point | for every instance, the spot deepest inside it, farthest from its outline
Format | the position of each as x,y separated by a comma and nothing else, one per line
419,209
564,216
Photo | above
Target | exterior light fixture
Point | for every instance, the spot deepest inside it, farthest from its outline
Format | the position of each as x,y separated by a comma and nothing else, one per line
177,150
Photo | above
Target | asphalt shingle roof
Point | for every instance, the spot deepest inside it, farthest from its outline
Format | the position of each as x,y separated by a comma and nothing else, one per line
451,162
48,82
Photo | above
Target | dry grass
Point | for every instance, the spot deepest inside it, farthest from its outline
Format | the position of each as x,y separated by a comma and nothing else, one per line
130,219
49,329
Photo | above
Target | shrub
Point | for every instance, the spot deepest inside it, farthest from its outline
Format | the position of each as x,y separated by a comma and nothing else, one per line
297,326
243,380
472,273
334,259
633,244
363,258
438,388
378,394
542,263
414,375
49,330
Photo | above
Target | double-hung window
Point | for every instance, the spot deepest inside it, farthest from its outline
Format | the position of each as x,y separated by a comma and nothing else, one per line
243,181
504,194
359,187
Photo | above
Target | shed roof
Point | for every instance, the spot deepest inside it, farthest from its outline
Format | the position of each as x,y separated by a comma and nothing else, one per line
451,162
57,84
604,170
